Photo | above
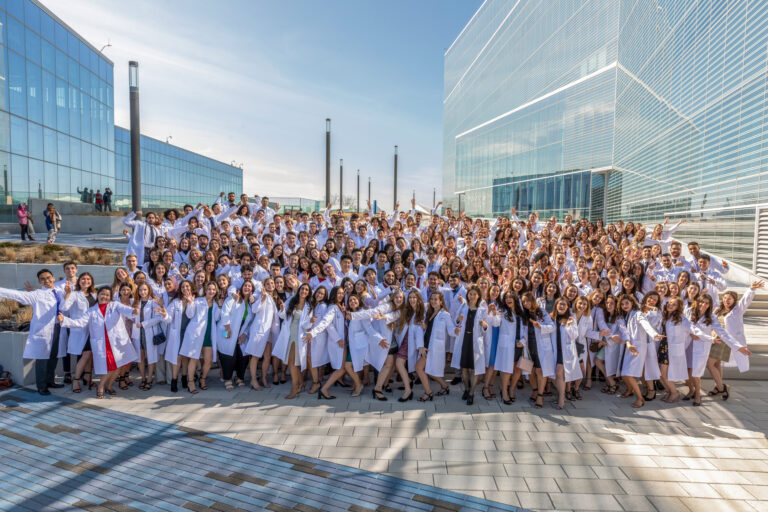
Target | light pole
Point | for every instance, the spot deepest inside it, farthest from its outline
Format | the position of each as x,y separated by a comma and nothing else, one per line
327,161
358,191
434,197
369,189
133,88
394,204
341,184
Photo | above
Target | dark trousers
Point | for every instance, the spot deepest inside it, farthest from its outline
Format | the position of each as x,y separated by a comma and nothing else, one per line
107,206
234,364
24,231
45,369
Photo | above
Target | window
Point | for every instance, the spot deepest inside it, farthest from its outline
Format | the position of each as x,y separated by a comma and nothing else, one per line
16,36
18,135
17,84
34,93
32,46
49,99
35,140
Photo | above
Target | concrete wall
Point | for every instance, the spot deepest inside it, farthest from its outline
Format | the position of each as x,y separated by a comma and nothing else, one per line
74,224
13,275
11,351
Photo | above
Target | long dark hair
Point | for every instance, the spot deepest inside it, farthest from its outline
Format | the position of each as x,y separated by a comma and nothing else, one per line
295,300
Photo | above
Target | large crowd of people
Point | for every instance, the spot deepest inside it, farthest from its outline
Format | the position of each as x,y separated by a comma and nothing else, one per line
330,300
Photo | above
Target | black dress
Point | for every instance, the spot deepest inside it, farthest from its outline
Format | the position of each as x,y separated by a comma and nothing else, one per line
533,348
428,331
468,343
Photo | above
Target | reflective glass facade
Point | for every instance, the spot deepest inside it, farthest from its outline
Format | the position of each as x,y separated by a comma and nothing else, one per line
171,176
616,109
56,108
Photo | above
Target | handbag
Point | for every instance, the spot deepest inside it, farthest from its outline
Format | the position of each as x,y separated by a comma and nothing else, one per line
594,346
5,380
158,339
525,364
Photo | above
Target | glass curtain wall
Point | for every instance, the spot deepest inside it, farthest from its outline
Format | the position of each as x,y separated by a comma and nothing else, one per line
56,109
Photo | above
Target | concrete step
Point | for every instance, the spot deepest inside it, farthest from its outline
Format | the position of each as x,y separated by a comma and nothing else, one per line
761,313
758,368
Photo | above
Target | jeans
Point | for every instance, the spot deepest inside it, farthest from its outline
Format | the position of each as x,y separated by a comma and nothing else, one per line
45,369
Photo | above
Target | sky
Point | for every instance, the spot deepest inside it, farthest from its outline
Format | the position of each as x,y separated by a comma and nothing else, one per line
253,81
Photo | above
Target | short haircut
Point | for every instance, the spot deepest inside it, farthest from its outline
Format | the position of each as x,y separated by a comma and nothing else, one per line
43,271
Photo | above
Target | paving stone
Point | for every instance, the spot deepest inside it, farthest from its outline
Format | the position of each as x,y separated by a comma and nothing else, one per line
603,502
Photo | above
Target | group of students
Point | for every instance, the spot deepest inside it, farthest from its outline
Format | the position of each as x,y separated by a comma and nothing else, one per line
359,300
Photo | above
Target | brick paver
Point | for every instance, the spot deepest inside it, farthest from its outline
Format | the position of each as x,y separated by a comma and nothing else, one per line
597,454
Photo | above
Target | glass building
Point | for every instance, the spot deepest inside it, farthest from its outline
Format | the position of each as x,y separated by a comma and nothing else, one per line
631,109
57,130
56,108
171,176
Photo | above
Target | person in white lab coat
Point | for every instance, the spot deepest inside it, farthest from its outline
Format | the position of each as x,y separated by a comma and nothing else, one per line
290,347
201,337
263,323
175,333
78,342
537,328
111,344
566,332
335,325
235,322
42,343
730,314
638,336
438,329
469,345
147,334
510,346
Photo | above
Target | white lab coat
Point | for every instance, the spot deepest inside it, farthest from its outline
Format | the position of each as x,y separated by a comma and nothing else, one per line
332,324
173,331
136,240
318,347
119,341
652,370
232,312
153,324
613,352
568,336
194,336
734,324
362,336
640,333
508,336
478,338
43,302
263,317
282,347
702,346
441,336
584,325
544,344
75,306
678,339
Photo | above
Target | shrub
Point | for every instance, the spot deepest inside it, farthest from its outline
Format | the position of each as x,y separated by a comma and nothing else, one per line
7,253
52,248
24,314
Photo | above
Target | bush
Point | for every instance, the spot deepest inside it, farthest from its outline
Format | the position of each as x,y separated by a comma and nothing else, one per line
24,314
52,248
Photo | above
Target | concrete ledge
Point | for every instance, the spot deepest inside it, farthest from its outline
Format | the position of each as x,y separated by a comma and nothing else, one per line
13,275
11,352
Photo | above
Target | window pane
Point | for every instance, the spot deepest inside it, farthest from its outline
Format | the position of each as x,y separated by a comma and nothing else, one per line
16,36
17,84
63,147
49,100
3,79
61,64
35,140
5,132
36,177
18,135
19,174
49,145
34,93
62,116
33,46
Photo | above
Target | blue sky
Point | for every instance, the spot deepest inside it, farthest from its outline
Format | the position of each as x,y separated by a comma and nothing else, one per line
253,81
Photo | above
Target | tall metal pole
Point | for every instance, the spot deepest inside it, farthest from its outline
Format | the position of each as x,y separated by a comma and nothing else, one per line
434,197
133,87
358,191
369,189
394,204
341,184
327,161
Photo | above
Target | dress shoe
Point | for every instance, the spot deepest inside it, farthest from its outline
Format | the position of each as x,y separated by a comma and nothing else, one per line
55,385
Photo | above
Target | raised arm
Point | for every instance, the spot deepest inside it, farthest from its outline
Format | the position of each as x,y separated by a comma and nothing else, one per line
27,298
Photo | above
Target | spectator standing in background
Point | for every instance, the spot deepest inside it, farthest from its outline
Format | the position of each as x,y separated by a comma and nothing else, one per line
107,199
99,200
83,194
52,222
25,219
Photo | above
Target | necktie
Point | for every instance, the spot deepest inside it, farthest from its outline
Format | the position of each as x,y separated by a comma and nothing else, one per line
152,236
418,282
58,302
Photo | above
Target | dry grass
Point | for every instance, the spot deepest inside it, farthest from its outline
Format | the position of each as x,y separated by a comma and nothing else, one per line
24,314
52,253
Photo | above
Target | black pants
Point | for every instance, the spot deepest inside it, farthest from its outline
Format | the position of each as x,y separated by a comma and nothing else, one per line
25,231
45,369
234,364
107,206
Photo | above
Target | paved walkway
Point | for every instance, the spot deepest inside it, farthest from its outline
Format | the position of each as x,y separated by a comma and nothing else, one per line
59,454
597,454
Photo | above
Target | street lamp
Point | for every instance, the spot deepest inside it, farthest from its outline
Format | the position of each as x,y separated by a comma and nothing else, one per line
133,88
327,161
394,205
341,184
358,191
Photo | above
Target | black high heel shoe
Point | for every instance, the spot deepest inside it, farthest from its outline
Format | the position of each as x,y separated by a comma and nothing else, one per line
406,398
427,397
378,395
726,391
321,396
